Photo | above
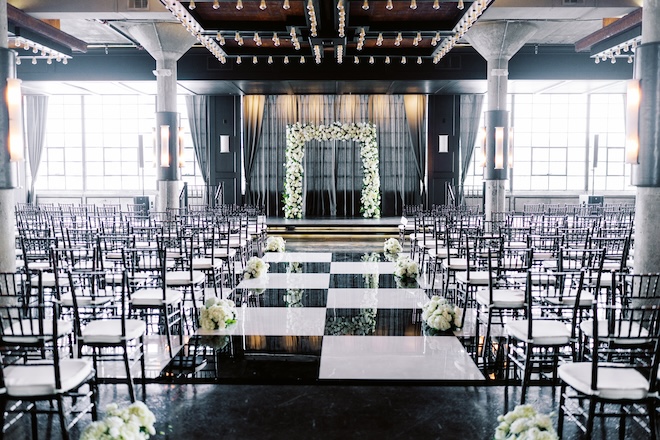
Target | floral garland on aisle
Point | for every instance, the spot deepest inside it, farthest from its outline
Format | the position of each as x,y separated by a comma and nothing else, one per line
296,136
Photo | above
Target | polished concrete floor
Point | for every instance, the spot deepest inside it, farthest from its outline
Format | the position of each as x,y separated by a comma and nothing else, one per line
327,347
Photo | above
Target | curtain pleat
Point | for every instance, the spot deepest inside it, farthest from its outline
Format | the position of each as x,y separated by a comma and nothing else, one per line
36,108
470,110
197,107
253,114
415,106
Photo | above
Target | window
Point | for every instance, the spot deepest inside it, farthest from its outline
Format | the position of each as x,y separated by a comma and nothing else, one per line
92,144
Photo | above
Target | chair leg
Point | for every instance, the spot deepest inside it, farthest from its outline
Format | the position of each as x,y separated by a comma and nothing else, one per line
527,374
35,422
650,408
590,418
129,376
60,411
560,417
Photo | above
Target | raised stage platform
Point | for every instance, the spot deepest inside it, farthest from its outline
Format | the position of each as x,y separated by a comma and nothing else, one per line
334,226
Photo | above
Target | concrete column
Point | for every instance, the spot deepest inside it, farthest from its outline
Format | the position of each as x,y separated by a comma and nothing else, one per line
7,169
645,175
497,42
166,42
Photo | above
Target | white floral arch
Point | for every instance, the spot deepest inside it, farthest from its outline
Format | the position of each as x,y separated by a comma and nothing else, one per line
296,136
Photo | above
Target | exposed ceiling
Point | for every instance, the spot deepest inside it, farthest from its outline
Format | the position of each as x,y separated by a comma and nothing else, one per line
414,29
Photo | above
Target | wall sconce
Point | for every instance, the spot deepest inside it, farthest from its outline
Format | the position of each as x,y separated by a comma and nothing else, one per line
443,143
510,155
181,161
499,148
633,99
164,146
481,139
14,101
224,143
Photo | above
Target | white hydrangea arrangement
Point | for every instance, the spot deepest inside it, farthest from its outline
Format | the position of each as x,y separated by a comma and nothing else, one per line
392,246
217,314
525,423
135,422
255,268
406,268
296,136
438,314
275,244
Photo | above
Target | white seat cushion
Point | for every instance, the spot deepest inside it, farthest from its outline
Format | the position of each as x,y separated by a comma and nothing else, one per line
26,329
613,383
455,264
206,263
39,380
153,297
183,278
586,299
108,331
476,278
544,332
222,253
502,298
39,265
86,301
48,280
626,328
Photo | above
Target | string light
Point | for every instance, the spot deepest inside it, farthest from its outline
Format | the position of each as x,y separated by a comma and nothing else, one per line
461,5
276,39
365,5
312,18
371,60
221,39
34,60
239,4
302,60
387,60
379,40
216,4
255,60
389,6
262,5
413,4
342,18
238,60
403,60
270,59
436,4
286,5
419,60
257,39
398,39
286,59
191,5
44,51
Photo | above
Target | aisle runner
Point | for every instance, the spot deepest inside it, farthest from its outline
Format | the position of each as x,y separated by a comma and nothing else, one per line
368,328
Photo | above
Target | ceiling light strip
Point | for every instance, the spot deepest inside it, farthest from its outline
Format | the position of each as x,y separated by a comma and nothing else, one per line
195,29
470,17
43,51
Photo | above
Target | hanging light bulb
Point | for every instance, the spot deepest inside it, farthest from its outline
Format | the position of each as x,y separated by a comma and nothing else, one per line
221,40
403,60
34,60
286,5
398,39
191,5
216,4
50,60
371,60
18,61
413,4
65,61
613,60
436,4
255,60
302,60
461,5
597,61
419,60
389,6
630,59
365,5
240,41
379,40
239,4
387,60
238,60
286,59
263,5
356,60
270,59
276,40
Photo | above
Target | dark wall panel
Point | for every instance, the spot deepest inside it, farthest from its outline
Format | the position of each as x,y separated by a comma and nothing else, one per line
226,167
442,167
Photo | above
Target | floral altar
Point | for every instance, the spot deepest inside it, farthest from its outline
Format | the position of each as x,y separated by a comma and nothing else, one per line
296,136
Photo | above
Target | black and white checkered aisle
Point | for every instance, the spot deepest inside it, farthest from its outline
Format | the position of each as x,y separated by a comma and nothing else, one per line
322,316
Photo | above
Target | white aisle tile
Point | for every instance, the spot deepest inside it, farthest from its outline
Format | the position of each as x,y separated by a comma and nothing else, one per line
297,257
275,321
287,281
362,267
396,358
376,298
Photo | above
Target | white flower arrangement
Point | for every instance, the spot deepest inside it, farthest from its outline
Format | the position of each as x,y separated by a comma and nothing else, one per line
296,136
255,268
217,314
362,324
275,244
405,267
392,246
438,314
524,423
135,422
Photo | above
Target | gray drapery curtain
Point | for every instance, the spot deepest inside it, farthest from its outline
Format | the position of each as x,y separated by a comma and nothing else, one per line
415,106
253,115
36,109
470,111
197,106
333,169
